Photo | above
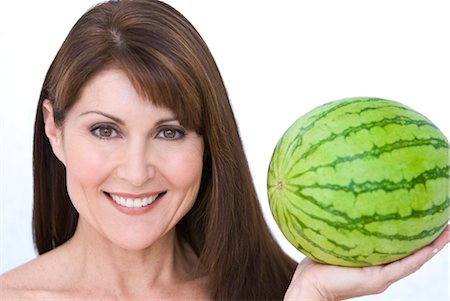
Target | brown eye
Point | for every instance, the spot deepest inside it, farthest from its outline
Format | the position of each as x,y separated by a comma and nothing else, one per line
171,134
104,132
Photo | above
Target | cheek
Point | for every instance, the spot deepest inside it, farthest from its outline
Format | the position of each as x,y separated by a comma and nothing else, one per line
85,165
184,169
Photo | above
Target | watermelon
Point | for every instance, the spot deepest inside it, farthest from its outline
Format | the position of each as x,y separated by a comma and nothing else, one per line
360,182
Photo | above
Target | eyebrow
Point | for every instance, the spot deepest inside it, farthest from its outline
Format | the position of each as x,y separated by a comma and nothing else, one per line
121,122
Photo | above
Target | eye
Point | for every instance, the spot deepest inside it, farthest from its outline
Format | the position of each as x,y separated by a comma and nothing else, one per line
104,131
171,133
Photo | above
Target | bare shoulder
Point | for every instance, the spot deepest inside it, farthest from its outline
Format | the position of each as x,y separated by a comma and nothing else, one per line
17,284
31,279
19,276
13,294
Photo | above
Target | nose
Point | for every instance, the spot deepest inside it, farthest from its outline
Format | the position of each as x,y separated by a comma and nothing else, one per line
137,167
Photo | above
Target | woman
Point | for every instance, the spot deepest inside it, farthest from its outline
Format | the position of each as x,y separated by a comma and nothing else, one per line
142,189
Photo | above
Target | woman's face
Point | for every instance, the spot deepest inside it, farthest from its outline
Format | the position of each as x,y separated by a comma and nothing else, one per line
132,170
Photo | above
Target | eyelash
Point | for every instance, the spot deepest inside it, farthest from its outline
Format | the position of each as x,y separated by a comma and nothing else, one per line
179,132
95,130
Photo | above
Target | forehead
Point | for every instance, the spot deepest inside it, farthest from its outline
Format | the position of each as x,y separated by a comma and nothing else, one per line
109,84
112,90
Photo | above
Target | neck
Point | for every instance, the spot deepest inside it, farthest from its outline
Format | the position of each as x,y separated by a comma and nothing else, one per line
101,265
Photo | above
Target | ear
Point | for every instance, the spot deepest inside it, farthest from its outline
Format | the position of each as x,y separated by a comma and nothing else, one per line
52,131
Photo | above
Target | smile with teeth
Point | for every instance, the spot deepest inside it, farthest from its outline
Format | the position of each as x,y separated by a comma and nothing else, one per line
134,202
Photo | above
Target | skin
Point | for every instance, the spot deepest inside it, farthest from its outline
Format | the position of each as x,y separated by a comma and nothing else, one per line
118,256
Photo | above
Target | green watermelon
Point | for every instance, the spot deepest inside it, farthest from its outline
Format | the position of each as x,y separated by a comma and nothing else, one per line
360,182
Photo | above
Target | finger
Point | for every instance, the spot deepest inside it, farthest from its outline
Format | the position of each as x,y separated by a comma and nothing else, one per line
302,266
408,265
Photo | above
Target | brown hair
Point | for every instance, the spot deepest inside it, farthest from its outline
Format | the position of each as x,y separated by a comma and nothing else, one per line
168,62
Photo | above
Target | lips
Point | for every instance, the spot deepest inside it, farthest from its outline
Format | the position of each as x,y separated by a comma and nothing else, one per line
134,201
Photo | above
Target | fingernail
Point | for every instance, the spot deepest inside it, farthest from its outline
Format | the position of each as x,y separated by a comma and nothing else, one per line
435,251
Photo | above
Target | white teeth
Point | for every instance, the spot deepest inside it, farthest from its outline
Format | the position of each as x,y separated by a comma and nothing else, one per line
138,203
134,203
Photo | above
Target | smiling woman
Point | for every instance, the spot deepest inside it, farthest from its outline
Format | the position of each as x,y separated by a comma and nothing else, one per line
142,190
133,176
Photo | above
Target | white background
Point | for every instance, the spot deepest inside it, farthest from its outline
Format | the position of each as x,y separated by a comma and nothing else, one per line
278,59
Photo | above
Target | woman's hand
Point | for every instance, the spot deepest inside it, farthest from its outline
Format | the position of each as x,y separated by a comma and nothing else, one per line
314,281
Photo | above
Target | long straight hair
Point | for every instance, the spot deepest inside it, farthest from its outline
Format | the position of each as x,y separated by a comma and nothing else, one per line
169,63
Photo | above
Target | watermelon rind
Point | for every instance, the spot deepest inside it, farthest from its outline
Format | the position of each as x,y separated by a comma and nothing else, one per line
360,181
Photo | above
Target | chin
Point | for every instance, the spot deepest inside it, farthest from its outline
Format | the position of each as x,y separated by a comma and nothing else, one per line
138,241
